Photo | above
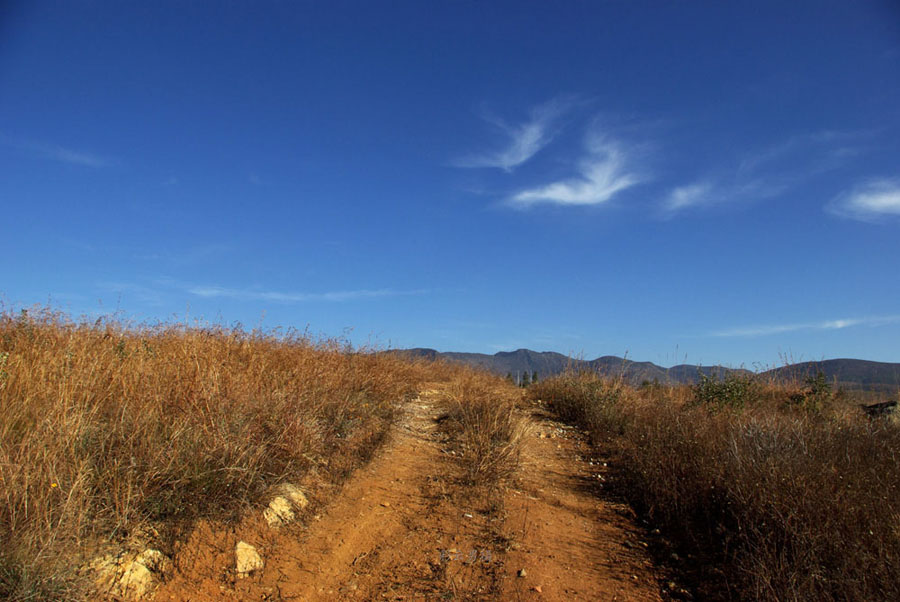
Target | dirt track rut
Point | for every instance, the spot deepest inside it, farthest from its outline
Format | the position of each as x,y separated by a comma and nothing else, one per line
400,529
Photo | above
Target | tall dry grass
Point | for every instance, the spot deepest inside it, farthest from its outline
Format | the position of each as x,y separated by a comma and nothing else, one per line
482,421
778,491
105,427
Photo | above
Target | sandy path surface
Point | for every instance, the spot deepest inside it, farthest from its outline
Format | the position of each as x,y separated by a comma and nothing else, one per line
403,528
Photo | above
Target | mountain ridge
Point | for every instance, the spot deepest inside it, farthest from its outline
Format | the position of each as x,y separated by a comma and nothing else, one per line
847,372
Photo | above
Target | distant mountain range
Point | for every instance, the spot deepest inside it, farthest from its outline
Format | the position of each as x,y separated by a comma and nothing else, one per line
849,373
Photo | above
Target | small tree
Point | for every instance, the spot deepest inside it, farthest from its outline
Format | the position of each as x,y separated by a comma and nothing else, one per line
534,378
526,380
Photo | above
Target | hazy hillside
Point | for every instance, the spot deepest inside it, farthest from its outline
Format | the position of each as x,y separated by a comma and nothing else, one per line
850,373
548,363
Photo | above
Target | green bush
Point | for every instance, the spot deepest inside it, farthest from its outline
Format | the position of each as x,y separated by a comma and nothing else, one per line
733,391
816,395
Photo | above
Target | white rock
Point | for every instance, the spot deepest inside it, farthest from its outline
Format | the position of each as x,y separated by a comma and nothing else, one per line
132,577
137,580
246,559
279,512
294,494
288,498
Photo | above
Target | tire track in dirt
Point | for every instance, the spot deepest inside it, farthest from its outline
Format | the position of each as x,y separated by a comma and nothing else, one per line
572,544
392,532
403,528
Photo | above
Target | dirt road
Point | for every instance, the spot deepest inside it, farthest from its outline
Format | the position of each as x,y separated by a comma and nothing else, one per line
572,545
403,528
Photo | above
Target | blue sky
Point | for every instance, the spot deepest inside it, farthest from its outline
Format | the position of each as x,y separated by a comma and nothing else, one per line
679,181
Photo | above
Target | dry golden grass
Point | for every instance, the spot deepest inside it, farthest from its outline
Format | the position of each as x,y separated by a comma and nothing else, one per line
792,494
106,427
482,422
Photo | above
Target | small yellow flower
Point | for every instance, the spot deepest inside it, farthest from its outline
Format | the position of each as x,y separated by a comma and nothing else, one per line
53,485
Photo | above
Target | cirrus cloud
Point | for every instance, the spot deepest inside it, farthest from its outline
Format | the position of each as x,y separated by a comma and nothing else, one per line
603,172
870,201
840,324
524,140
295,297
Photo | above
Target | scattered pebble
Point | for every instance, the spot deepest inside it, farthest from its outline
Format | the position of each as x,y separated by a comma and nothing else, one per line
521,573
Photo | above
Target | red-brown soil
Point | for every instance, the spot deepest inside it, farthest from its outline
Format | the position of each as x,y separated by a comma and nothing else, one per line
404,528
572,545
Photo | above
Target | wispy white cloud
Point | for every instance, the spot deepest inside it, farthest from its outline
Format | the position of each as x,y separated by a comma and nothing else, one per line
190,255
819,151
523,140
296,297
869,201
58,153
604,172
682,197
772,329
709,192
769,172
73,157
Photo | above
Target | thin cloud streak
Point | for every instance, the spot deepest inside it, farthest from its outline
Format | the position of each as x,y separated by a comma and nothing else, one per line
73,157
689,196
706,192
870,201
58,153
826,149
767,330
770,172
524,139
296,297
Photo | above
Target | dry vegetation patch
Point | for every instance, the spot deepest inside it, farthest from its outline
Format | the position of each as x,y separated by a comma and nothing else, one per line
481,420
107,427
778,491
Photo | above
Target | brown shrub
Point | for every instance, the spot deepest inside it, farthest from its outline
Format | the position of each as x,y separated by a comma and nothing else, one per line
790,504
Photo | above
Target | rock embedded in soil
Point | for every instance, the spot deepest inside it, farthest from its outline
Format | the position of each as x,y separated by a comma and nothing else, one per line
246,559
281,510
294,494
131,576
